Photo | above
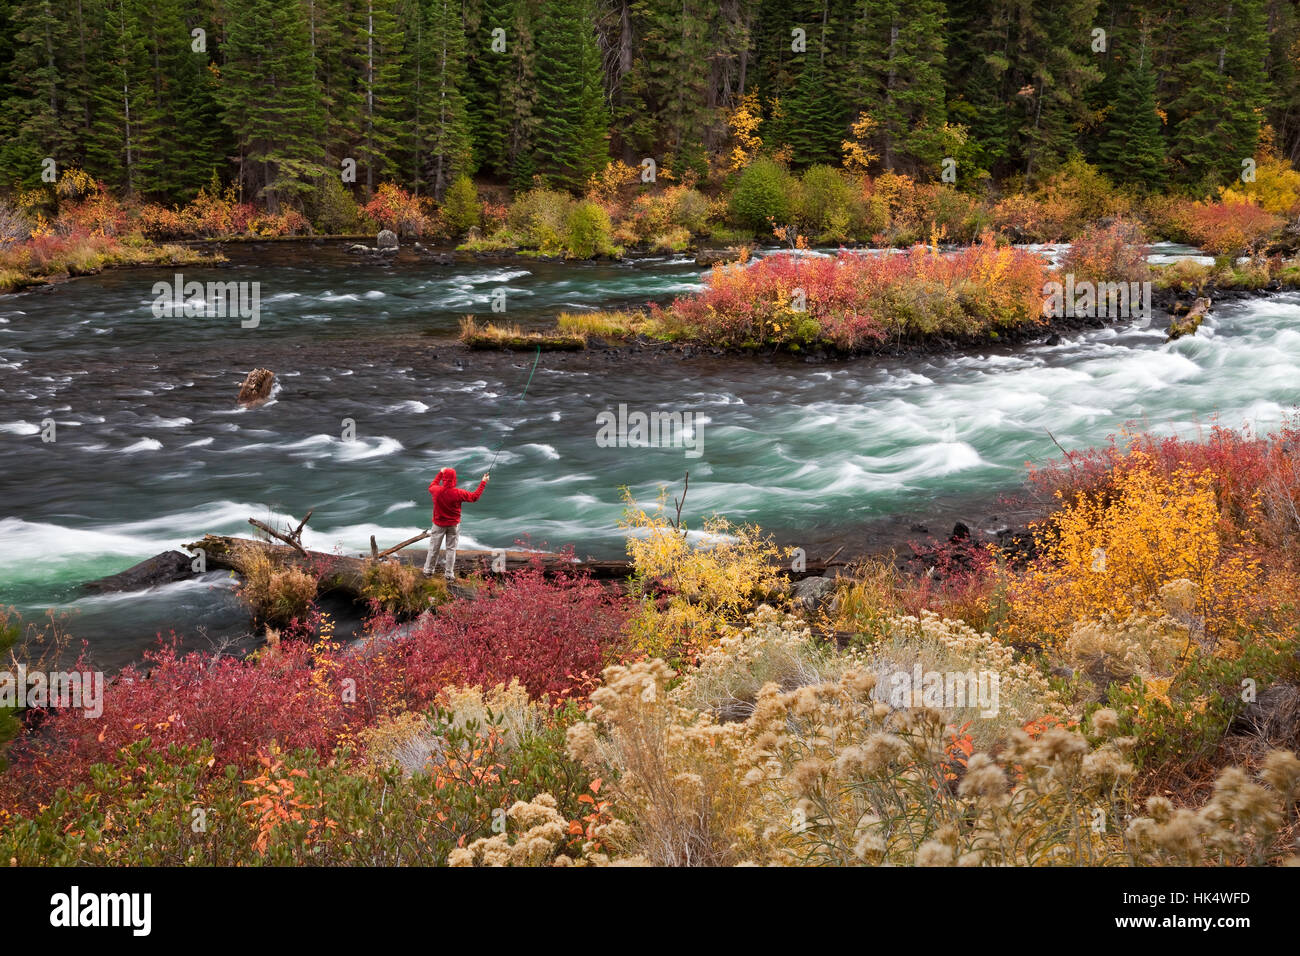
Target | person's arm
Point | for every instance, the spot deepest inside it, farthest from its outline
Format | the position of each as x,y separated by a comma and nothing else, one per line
473,495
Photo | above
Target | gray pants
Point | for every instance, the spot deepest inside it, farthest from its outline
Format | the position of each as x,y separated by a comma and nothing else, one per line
448,536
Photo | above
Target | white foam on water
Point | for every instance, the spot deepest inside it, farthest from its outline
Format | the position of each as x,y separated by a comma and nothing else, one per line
19,428
409,406
144,444
547,451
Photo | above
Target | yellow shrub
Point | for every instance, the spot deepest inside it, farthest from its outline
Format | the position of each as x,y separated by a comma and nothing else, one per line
1276,187
1111,554
691,591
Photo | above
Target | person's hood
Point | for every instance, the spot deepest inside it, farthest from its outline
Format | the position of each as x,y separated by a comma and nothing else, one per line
447,478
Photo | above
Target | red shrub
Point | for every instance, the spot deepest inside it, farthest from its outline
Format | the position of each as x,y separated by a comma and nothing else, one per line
551,634
1114,253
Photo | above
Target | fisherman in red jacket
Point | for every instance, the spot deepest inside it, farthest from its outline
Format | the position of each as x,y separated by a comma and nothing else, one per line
447,500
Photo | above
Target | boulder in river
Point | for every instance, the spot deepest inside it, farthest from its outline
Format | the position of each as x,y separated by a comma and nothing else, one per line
714,257
386,240
257,387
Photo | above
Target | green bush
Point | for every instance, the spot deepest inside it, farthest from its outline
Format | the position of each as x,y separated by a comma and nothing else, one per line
539,217
824,200
587,231
691,211
332,209
460,208
762,194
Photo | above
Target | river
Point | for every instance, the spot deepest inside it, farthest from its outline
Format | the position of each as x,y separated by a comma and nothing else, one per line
150,450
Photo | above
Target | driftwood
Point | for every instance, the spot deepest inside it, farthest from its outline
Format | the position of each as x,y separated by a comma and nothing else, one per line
346,574
292,538
397,547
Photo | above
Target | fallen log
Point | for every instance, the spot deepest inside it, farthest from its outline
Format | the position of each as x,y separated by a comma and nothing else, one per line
346,574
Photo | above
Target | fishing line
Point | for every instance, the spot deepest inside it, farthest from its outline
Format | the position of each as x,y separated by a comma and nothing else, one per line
521,401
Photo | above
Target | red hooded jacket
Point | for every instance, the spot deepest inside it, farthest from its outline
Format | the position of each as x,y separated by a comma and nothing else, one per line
447,497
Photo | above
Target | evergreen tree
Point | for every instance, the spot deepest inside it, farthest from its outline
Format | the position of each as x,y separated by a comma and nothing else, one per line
488,75
270,99
379,48
1132,149
570,103
898,48
663,109
812,121
1219,77
437,129
117,135
37,126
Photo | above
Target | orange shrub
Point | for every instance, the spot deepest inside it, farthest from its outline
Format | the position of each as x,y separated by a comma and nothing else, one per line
1113,253
1231,227
394,208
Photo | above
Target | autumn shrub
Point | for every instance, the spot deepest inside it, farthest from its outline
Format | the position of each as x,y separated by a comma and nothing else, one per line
286,222
332,209
1231,227
687,592
551,634
762,195
401,589
1275,187
1255,478
393,207
868,599
666,218
14,225
587,231
1111,554
857,301
537,220
823,204
1169,217
277,595
95,211
181,698
1061,206
1185,275
609,184
1112,253
147,805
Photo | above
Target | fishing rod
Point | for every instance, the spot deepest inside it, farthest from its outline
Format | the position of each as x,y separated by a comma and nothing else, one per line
521,401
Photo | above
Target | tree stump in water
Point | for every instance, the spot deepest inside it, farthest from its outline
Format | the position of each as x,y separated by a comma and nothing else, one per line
1189,323
257,387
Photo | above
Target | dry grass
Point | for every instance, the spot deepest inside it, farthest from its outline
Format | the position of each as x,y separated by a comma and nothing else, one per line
492,336
607,325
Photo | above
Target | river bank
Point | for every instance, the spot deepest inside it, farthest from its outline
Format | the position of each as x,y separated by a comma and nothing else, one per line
152,450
